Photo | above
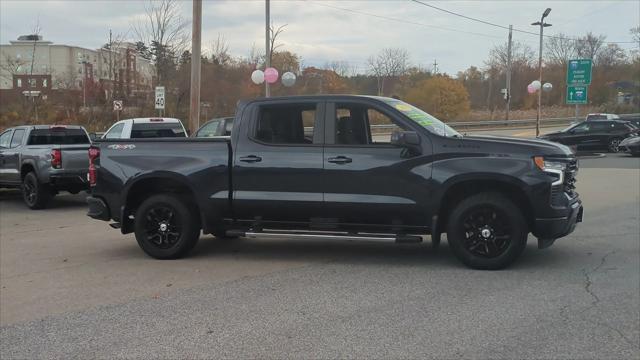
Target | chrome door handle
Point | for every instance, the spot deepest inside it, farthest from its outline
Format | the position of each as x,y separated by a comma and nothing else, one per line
339,160
251,159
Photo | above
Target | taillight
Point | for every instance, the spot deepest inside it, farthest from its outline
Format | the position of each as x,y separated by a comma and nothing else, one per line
56,158
92,175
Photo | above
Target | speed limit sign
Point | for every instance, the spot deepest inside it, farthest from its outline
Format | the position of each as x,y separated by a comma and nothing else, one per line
159,97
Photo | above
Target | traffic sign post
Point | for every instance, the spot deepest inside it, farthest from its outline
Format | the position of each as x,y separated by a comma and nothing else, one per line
118,105
160,99
579,72
577,94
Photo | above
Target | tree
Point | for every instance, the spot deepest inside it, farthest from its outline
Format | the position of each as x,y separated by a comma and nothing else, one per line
165,32
275,33
589,46
389,64
611,55
560,49
522,55
441,96
220,51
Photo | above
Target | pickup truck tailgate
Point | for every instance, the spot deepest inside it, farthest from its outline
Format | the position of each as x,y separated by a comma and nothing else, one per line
75,158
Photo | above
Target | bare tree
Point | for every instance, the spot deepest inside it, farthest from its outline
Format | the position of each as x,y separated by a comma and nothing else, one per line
220,51
164,31
389,63
560,49
113,55
611,55
589,46
275,33
521,55
342,68
11,66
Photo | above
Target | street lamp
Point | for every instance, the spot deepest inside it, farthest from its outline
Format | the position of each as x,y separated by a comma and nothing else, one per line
542,25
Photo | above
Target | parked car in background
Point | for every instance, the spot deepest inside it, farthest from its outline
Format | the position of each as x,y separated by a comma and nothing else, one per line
602,116
593,135
215,127
631,145
42,160
311,167
145,128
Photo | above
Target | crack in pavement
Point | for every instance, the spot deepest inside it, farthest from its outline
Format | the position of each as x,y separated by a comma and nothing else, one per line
587,278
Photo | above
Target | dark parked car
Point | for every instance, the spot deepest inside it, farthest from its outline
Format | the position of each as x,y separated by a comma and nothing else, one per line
310,167
593,135
215,127
43,160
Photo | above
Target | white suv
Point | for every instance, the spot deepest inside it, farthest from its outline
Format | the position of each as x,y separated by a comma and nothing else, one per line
600,116
145,128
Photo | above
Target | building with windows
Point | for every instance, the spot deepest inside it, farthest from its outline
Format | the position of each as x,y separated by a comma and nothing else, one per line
31,66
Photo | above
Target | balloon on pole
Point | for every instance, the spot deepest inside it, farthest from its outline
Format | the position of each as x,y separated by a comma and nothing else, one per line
536,84
288,79
270,75
530,89
257,76
547,87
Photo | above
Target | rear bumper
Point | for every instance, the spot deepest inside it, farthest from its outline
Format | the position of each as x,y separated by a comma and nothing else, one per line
64,181
98,209
547,230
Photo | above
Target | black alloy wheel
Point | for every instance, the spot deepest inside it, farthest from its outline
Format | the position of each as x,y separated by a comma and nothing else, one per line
487,231
35,194
614,145
167,226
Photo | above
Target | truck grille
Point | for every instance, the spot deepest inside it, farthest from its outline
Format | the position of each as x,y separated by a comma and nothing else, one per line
568,186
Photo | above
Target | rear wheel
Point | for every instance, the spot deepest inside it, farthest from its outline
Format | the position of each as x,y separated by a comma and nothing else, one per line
614,145
166,226
487,231
35,194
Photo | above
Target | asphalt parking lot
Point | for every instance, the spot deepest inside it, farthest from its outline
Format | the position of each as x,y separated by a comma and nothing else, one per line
73,287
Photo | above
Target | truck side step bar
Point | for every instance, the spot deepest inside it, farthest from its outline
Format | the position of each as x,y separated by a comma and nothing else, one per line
405,239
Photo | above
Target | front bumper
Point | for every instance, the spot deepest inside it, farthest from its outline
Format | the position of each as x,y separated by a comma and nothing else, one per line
98,209
548,230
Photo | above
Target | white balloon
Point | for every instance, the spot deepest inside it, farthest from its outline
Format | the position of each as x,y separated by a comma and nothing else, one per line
288,79
547,87
536,84
257,76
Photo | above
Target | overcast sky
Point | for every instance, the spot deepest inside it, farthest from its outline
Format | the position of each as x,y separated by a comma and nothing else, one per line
320,31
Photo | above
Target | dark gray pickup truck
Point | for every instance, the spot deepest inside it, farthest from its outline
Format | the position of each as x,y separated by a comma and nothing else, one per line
43,160
340,167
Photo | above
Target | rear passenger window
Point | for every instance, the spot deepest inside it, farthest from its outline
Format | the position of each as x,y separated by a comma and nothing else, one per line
286,124
156,130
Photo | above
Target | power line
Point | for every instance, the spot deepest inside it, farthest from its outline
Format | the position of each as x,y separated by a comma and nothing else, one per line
506,27
388,18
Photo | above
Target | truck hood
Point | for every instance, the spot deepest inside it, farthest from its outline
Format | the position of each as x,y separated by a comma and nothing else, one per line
515,145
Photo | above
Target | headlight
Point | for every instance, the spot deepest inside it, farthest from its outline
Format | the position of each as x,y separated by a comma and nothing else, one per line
552,167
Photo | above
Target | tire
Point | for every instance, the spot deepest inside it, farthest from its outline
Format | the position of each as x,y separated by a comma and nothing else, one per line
34,193
613,145
487,231
167,226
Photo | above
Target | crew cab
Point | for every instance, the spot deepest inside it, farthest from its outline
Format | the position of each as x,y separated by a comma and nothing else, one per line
145,128
341,167
42,160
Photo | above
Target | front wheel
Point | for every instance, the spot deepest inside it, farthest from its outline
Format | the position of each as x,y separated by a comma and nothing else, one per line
487,231
166,226
614,145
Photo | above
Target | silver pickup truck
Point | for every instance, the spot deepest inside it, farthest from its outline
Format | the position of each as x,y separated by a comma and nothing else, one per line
42,160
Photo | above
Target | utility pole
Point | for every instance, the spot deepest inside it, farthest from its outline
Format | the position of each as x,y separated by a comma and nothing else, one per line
194,118
508,94
542,25
267,45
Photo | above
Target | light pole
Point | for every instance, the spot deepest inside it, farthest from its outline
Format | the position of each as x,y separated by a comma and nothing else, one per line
542,25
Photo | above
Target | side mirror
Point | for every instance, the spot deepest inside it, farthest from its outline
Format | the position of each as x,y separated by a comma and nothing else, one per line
406,139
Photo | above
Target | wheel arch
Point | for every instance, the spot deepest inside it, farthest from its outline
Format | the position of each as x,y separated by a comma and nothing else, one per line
462,187
141,187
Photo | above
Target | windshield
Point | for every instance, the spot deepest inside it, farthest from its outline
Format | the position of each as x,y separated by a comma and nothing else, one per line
423,119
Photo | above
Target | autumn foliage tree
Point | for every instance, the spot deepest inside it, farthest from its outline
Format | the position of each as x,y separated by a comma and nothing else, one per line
441,96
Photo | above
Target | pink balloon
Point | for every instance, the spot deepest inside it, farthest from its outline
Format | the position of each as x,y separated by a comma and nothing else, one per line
530,89
270,75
